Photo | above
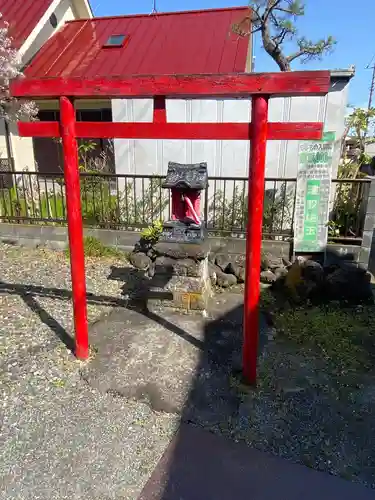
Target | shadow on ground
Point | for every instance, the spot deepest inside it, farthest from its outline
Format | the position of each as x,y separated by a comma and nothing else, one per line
30,293
161,356
288,415
188,365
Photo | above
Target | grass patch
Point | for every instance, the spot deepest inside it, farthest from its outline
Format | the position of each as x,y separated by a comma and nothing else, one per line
267,300
59,383
93,247
342,336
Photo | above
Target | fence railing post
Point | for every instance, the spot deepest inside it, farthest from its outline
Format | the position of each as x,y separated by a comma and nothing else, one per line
368,243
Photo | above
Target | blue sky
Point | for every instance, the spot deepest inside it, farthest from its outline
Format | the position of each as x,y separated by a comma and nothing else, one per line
352,27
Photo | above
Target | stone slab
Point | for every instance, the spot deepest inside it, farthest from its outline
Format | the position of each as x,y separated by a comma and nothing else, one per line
199,465
183,251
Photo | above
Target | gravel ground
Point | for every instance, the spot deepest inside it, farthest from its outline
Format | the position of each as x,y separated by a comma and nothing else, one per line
59,437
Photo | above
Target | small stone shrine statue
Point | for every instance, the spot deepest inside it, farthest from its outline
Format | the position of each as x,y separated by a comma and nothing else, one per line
186,183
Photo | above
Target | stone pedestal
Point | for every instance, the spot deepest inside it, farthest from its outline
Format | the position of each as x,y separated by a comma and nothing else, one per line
181,276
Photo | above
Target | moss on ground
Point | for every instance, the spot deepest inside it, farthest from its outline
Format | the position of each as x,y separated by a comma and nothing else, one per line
342,335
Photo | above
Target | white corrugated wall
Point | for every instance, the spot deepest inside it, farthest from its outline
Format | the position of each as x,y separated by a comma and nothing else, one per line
224,158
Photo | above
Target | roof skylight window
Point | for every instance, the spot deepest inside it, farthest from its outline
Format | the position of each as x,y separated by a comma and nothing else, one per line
116,41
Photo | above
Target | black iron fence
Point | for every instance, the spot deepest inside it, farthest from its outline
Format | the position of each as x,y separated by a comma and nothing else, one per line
6,179
348,208
135,201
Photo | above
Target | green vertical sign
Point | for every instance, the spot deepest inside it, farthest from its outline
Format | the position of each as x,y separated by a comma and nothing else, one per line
313,194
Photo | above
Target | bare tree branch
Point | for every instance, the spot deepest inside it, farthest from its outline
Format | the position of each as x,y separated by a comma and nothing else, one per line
272,4
280,38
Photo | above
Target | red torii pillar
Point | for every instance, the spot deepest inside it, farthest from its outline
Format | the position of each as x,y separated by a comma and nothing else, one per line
259,86
75,226
257,166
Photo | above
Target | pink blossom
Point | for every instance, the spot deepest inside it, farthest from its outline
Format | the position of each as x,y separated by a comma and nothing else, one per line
10,68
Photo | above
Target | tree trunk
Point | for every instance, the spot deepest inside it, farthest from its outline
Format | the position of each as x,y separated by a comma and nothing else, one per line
274,51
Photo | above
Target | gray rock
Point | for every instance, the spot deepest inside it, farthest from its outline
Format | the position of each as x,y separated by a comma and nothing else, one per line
151,270
212,257
264,263
349,284
239,259
286,262
269,261
312,271
231,268
177,267
223,261
142,246
240,274
226,280
197,251
267,277
237,271
164,265
213,270
350,266
139,260
152,253
280,273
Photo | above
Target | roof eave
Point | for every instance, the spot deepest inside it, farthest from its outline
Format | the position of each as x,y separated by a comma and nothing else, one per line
345,74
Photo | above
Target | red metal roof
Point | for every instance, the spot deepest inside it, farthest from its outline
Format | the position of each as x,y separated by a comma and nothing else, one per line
22,16
190,42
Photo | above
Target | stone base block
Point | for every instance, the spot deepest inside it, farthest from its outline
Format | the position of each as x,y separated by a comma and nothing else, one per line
177,283
190,301
168,266
181,283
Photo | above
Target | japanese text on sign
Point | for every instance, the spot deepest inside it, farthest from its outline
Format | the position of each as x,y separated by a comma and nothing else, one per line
313,194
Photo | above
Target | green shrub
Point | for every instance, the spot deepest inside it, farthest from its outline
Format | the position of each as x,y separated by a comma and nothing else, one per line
93,247
152,233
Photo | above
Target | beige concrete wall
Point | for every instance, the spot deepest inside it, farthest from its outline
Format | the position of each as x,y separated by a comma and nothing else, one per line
23,153
3,146
63,11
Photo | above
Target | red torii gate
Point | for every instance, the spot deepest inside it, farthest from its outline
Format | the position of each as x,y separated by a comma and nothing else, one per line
259,86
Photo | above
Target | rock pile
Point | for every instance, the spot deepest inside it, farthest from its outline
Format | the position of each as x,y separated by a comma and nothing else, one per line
303,278
273,269
343,281
179,259
178,274
224,271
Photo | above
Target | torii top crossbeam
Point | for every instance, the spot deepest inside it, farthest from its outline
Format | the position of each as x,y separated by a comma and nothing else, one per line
260,87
